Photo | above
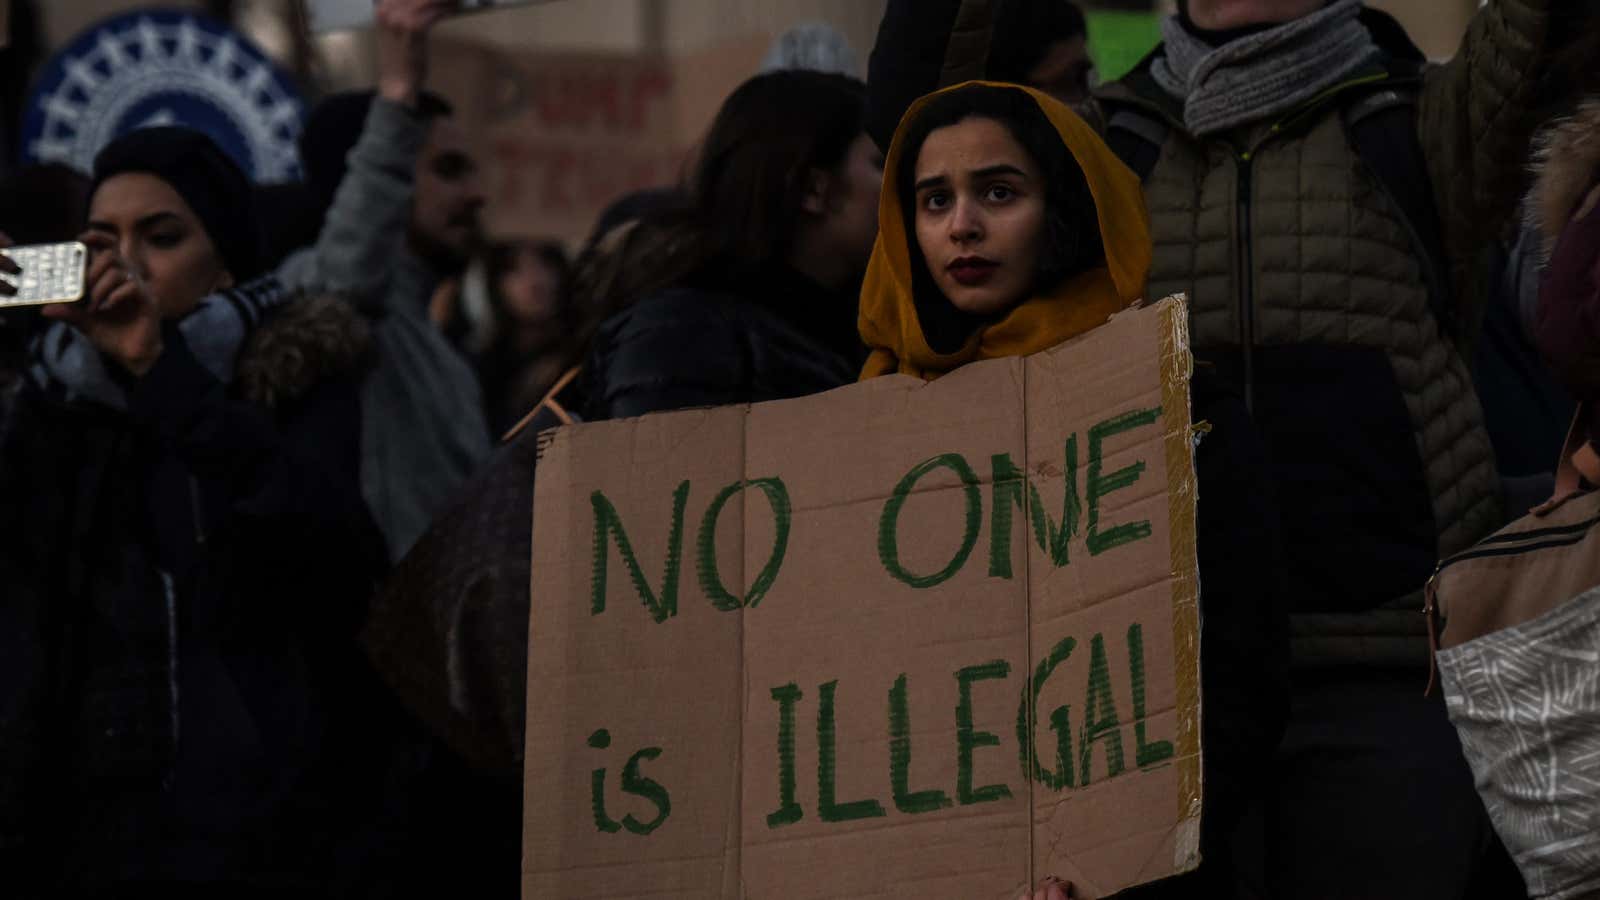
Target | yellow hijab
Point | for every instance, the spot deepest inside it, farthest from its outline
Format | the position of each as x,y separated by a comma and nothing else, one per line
889,323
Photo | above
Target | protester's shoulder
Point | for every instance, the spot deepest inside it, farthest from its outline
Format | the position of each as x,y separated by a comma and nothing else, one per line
675,313
1135,95
672,349
669,336
306,342
1136,87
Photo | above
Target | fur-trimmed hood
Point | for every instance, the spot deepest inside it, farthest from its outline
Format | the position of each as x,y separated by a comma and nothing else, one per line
311,338
1566,166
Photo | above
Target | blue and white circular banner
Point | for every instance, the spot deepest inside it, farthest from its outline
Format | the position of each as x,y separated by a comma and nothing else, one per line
165,67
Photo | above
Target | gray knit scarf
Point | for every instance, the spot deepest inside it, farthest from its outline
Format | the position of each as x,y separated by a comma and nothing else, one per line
1255,78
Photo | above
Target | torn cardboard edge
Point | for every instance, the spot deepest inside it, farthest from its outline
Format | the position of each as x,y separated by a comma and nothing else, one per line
1167,323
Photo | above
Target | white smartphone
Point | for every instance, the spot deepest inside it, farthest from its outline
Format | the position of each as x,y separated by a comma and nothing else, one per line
51,273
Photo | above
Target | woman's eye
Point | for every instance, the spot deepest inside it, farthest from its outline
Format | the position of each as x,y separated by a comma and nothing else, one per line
1000,193
166,239
935,202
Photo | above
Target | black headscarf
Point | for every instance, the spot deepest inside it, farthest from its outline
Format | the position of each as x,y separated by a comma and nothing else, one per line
1024,32
204,176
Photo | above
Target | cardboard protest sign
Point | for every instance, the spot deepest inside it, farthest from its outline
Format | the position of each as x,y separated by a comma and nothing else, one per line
560,136
331,15
900,639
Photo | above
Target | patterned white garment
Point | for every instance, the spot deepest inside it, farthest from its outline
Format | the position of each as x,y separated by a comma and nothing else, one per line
1526,703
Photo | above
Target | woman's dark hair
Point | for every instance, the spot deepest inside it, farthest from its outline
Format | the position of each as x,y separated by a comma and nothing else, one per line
1072,226
736,213
754,166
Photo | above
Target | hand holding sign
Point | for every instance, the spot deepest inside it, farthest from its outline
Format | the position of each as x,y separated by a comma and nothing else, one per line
1051,889
893,623
402,33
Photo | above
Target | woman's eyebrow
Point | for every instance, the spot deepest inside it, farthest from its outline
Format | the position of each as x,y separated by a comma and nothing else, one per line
158,218
150,221
932,181
1001,169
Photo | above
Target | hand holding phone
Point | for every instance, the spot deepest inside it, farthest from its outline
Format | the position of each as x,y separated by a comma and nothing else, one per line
119,317
37,274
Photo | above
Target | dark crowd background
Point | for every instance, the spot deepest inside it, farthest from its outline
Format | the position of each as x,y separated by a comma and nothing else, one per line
264,550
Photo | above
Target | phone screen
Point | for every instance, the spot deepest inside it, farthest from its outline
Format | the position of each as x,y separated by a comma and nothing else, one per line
51,273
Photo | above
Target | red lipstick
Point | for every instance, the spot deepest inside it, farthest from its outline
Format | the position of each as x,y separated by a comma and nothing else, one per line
971,271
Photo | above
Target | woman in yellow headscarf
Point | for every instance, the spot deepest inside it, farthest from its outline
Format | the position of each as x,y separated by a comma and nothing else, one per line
1006,226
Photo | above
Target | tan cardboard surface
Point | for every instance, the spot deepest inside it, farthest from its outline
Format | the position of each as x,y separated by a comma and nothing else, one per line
560,136
825,682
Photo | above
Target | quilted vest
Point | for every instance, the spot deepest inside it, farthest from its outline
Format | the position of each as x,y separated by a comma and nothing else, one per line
1307,289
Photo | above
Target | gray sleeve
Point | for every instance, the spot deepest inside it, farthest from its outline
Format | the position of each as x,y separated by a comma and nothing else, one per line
367,222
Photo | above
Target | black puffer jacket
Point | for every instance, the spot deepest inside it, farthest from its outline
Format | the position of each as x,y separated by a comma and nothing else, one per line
781,337
182,581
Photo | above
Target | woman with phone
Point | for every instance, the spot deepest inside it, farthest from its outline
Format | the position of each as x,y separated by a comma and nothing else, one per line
183,572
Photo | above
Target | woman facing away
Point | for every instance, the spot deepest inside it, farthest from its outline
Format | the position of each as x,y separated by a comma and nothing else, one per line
758,302
1008,227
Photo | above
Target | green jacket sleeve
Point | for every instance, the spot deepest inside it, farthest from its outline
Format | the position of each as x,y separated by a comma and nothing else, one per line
1476,117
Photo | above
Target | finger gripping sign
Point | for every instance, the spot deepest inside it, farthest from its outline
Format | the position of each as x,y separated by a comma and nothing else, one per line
900,639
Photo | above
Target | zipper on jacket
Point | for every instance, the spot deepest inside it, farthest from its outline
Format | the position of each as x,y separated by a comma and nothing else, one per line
1244,164
1247,331
174,711
197,511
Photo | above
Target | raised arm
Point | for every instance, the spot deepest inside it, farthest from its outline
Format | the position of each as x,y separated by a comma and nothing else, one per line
371,210
1477,115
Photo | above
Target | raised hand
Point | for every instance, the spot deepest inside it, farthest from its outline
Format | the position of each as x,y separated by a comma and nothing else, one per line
402,39
117,314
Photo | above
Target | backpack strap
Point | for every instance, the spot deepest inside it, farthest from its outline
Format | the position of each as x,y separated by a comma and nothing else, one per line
1381,126
1136,137
1578,469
